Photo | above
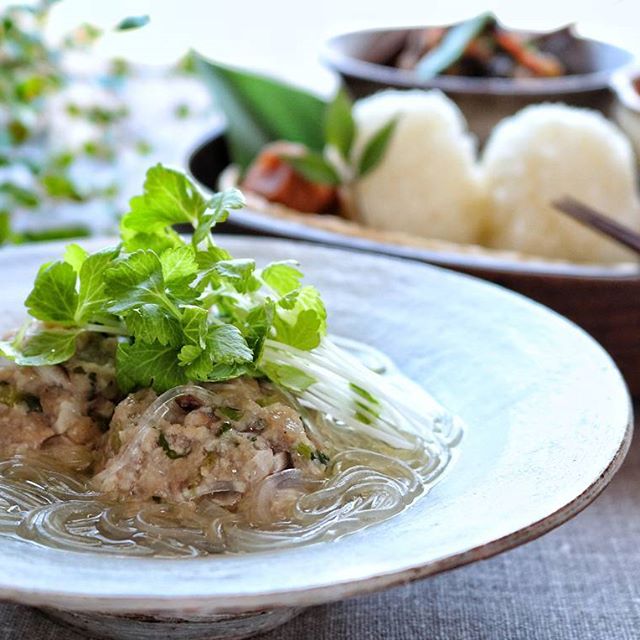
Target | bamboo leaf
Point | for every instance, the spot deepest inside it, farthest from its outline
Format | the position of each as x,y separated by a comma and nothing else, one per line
375,148
340,128
259,110
314,168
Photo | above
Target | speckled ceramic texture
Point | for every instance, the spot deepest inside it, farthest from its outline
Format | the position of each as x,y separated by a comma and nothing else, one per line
547,424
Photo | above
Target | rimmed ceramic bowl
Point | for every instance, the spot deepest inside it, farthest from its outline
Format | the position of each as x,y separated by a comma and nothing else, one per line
361,59
547,423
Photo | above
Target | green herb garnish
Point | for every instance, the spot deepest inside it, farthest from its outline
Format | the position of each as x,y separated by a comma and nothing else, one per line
226,426
157,290
173,455
305,451
230,412
363,393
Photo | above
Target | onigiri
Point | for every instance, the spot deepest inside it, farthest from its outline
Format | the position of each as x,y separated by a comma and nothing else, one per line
548,151
427,182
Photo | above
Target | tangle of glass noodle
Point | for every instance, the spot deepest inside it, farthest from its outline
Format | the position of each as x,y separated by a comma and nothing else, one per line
367,482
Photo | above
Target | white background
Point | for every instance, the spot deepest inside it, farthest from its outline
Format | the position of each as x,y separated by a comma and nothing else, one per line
284,36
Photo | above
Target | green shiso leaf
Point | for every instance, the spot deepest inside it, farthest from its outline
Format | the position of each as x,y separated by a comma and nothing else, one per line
452,47
259,110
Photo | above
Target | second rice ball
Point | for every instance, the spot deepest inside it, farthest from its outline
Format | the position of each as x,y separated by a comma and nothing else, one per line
549,151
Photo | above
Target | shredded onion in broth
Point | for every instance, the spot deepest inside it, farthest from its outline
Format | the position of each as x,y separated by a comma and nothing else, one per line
368,480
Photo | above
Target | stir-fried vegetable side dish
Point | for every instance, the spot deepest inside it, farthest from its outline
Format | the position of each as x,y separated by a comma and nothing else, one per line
481,47
168,398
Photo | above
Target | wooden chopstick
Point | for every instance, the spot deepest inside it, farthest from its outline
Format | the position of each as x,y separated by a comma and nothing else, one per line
595,220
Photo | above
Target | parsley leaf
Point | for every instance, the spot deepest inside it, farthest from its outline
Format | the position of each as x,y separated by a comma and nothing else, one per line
54,297
302,320
169,198
148,364
45,347
283,277
135,280
219,208
227,345
75,255
179,264
150,322
194,325
92,297
186,311
238,273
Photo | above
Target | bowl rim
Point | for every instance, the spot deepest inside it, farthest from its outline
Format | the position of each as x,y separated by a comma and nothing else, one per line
381,74
275,598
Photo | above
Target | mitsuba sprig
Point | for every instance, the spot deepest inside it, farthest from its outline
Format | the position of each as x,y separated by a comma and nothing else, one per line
186,310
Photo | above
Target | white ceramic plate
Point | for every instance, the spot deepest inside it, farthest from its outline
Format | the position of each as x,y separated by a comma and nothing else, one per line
548,421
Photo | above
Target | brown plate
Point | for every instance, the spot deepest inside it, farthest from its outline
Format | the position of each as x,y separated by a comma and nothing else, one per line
603,300
360,58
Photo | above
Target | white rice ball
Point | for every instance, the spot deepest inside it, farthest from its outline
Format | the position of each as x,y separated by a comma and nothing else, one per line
548,151
426,183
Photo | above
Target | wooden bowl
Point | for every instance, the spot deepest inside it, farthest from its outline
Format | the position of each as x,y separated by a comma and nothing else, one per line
603,300
359,57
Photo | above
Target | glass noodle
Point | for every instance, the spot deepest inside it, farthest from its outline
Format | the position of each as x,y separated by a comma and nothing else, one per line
372,474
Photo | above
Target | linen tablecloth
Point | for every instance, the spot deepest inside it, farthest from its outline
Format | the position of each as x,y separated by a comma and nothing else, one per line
579,582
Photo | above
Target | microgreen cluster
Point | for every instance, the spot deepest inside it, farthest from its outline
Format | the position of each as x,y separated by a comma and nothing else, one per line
338,163
186,309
